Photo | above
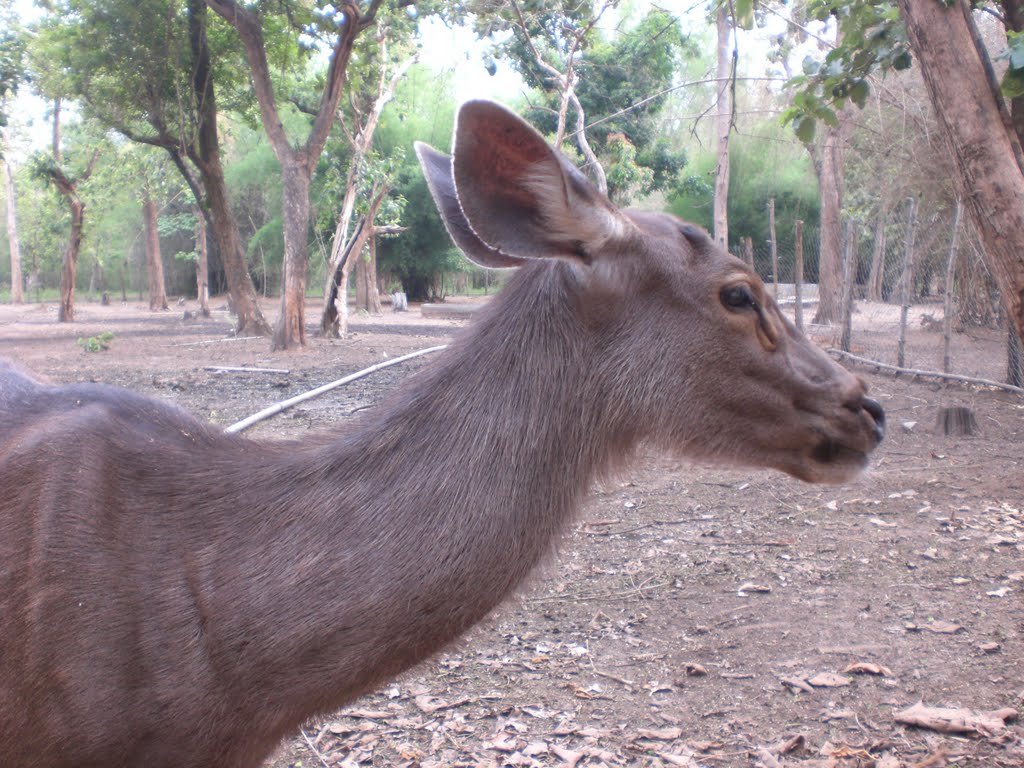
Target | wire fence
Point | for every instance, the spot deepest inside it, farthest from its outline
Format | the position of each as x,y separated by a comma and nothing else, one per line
909,290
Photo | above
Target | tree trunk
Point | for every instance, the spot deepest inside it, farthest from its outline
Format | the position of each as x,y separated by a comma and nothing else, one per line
830,184
339,296
989,178
206,156
154,263
367,295
290,330
361,141
69,263
723,122
68,188
202,265
877,274
17,280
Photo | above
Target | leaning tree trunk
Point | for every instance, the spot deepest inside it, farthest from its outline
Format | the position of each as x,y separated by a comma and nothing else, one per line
69,263
154,263
17,281
206,156
984,145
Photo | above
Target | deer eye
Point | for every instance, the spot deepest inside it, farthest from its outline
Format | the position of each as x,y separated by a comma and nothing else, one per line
738,297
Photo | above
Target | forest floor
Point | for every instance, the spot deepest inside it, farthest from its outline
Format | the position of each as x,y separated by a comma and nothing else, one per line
694,615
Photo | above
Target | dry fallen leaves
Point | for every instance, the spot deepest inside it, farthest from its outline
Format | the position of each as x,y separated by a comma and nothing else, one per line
939,627
867,668
660,734
828,680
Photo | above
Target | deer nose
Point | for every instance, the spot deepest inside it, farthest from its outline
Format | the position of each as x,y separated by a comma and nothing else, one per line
859,402
876,412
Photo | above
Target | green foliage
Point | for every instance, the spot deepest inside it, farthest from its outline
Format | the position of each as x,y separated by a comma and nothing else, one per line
623,82
423,110
764,164
873,38
98,343
1013,81
625,176
12,58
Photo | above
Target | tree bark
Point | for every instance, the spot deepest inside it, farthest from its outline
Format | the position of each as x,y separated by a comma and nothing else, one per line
367,295
723,124
17,280
986,151
69,262
202,265
154,263
290,329
829,167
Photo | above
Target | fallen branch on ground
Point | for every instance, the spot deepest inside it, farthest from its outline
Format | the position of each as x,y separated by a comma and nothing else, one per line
925,374
284,405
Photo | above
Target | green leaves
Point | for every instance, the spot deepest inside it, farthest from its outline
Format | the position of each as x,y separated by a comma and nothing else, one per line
744,10
1013,81
872,39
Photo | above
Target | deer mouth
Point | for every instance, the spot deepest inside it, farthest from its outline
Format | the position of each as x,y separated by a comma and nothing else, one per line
836,459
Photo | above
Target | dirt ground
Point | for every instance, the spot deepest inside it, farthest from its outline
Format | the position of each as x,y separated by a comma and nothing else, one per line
694,616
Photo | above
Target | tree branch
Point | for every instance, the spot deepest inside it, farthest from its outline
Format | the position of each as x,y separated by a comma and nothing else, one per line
249,30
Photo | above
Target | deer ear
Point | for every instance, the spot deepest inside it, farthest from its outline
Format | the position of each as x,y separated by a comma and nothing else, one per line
521,197
437,169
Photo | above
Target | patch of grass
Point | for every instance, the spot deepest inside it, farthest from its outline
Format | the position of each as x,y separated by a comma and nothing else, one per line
97,343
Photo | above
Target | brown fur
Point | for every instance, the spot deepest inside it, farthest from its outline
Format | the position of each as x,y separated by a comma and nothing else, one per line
174,596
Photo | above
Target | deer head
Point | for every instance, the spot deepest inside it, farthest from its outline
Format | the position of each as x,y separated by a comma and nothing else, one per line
696,354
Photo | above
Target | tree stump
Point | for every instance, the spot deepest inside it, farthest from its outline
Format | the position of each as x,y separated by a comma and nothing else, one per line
956,420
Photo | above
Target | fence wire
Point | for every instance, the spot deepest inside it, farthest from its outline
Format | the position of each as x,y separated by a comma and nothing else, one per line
900,277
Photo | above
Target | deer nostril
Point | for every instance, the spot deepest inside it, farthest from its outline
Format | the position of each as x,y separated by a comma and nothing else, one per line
878,414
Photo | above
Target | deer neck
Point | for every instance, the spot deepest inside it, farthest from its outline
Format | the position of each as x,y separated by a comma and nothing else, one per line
436,506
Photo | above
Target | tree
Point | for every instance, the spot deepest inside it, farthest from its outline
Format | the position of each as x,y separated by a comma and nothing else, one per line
611,89
50,167
367,101
297,162
984,137
146,69
423,109
17,282
154,265
12,58
982,132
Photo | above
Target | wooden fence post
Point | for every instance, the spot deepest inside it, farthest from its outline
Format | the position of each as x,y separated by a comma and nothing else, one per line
947,319
747,246
849,278
906,282
774,246
798,276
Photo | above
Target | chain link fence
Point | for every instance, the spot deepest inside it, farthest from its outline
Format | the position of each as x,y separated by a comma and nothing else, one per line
912,292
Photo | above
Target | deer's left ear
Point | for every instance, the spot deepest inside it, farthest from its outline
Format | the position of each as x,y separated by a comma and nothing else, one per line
520,196
437,169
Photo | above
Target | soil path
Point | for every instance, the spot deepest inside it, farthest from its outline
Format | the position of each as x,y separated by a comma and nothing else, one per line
695,616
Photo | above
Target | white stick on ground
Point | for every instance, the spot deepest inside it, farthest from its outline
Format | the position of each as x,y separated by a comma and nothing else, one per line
284,405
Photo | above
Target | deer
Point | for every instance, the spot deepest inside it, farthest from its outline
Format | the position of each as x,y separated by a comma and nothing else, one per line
173,595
